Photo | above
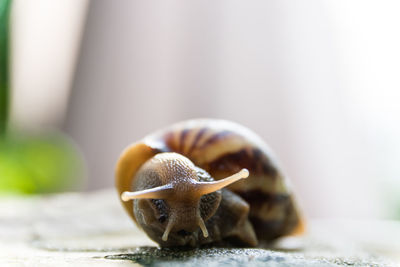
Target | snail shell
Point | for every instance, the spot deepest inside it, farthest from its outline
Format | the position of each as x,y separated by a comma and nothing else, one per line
258,209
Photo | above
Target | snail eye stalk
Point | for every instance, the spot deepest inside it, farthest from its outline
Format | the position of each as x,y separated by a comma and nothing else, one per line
204,188
160,192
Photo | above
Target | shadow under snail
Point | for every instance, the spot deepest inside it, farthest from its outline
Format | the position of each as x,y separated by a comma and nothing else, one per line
206,181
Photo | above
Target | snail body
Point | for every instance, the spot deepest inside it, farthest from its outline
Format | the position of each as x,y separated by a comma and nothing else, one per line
206,181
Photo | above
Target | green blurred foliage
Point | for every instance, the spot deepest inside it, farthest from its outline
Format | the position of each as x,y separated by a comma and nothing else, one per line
4,19
31,164
390,195
396,205
397,213
39,165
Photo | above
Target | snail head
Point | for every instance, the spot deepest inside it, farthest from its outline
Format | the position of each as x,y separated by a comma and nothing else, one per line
180,196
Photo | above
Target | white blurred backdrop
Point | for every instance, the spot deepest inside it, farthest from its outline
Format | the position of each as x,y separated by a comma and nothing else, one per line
318,80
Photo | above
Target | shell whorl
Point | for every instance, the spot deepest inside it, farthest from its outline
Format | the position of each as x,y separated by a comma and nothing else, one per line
223,148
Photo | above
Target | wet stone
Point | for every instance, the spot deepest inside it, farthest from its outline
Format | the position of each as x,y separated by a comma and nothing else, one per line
83,229
219,257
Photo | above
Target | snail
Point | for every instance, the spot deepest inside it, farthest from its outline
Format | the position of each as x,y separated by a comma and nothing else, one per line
203,182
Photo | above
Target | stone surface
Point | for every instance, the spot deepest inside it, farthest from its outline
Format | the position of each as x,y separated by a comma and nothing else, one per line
92,229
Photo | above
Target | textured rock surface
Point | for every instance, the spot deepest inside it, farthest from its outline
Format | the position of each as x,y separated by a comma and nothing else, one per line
92,229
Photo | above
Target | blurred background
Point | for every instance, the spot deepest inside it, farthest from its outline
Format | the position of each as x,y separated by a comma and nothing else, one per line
317,80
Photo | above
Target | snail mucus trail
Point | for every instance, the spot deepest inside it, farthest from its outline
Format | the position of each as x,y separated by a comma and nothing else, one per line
182,191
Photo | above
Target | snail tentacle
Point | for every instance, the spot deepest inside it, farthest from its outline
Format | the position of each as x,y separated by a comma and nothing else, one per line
168,229
160,192
204,188
202,227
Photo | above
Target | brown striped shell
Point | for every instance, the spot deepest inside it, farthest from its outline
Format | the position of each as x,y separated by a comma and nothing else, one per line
221,148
